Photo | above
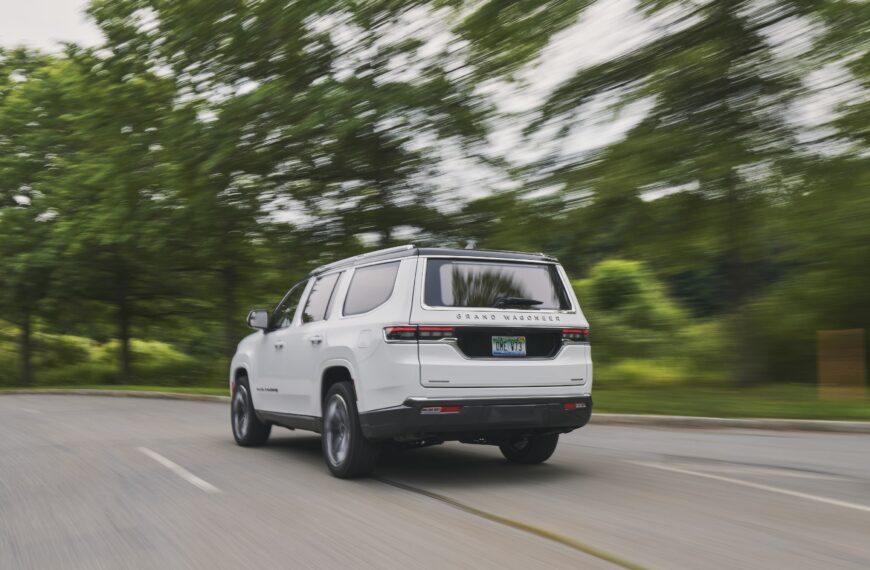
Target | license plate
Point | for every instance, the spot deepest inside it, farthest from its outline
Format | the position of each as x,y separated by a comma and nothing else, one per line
508,346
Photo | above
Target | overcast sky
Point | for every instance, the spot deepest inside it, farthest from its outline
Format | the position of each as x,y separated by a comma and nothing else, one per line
45,23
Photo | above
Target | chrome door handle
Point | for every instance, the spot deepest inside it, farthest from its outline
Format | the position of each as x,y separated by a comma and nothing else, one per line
315,339
279,345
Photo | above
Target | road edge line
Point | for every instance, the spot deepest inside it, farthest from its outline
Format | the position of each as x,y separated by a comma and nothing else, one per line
758,486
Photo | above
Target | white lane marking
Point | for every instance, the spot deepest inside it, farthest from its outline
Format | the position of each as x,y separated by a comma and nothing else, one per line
180,471
31,411
809,497
749,470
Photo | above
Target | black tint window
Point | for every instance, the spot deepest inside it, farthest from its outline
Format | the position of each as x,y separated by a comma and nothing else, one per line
455,283
283,315
318,300
370,287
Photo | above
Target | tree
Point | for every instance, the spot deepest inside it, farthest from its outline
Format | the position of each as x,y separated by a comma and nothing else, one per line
114,230
340,118
28,150
717,131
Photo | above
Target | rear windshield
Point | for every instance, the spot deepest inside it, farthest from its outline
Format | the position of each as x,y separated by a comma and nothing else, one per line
508,285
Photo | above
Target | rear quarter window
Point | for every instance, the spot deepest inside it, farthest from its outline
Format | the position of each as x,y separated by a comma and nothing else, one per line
319,299
370,287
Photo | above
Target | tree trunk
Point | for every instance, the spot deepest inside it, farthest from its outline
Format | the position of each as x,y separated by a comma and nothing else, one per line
124,316
25,350
747,361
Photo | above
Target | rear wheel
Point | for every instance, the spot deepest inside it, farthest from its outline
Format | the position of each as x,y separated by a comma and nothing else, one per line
530,449
248,430
347,452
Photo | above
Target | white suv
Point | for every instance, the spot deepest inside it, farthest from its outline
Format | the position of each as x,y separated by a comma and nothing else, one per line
417,346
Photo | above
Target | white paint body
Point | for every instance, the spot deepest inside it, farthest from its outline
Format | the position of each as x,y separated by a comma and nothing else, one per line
285,367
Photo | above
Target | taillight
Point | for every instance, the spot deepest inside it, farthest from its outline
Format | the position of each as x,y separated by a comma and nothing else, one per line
400,333
419,333
575,335
435,333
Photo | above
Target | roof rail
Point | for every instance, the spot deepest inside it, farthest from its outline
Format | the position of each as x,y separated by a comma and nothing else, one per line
353,260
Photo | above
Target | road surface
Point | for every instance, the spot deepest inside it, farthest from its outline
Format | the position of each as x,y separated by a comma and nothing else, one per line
96,482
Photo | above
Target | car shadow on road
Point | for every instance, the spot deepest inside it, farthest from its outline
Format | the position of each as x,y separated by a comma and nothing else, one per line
449,465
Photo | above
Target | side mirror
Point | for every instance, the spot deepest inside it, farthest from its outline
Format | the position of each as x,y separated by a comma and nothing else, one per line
258,319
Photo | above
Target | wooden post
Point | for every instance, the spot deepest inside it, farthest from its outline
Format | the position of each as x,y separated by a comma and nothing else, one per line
841,365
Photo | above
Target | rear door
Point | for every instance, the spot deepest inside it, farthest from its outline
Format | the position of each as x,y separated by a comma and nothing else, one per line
509,321
302,351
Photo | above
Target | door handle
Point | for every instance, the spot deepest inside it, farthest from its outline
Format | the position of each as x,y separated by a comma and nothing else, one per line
315,339
279,345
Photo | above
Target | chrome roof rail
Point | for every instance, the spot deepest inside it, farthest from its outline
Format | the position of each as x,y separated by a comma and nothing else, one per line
355,259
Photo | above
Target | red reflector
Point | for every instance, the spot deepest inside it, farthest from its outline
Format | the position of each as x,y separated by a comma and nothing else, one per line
440,410
570,406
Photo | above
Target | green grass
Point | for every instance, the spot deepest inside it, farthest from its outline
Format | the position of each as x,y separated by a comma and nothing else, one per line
772,401
793,401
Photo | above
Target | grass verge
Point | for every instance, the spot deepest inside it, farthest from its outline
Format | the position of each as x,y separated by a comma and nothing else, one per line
787,401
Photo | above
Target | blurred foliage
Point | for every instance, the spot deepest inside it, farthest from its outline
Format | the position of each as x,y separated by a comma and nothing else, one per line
640,335
209,153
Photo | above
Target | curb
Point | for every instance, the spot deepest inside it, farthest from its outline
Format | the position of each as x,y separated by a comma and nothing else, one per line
124,394
733,423
684,422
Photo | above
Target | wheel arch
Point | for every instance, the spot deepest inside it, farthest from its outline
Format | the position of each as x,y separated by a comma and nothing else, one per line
237,371
335,371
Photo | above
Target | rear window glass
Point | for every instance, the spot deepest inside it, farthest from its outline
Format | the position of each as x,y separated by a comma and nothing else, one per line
458,283
370,287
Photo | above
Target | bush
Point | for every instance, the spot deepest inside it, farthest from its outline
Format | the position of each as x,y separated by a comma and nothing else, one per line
639,334
56,351
642,371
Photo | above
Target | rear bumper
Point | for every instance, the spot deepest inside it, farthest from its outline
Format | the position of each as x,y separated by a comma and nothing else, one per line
477,417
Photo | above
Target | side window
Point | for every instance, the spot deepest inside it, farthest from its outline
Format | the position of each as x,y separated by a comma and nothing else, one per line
370,287
283,315
318,299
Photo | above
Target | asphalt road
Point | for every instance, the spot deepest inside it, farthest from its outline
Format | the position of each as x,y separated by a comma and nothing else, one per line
93,482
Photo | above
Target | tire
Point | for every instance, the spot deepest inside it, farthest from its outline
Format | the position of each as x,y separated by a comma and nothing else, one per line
530,449
348,454
248,430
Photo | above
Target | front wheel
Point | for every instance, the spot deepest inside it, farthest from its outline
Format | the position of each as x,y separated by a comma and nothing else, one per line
530,449
347,452
248,430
